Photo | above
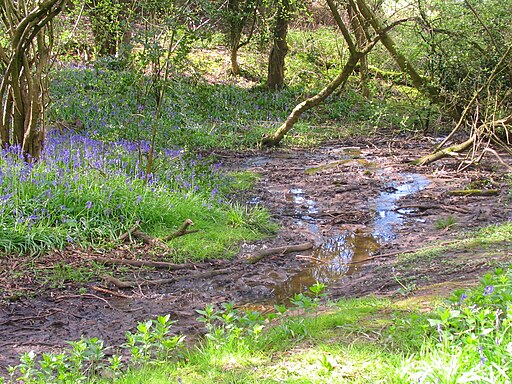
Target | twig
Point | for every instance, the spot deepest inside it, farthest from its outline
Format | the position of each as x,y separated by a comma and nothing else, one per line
182,231
109,292
311,258
254,258
85,296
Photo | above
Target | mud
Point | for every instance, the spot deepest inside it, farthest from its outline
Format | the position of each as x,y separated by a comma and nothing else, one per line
353,201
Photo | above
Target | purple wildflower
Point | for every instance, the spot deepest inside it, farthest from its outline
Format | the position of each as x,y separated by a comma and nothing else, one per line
88,205
488,290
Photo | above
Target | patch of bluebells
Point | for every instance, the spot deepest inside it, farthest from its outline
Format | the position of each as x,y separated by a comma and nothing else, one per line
74,181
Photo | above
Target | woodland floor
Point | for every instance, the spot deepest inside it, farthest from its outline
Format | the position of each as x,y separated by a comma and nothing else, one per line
328,196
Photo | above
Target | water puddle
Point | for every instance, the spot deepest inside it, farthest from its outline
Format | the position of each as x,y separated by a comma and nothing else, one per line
342,254
387,215
337,257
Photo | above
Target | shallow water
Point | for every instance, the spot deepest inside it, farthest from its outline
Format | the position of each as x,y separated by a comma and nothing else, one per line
342,254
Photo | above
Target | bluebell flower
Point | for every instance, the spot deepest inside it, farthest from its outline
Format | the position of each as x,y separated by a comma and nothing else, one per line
488,290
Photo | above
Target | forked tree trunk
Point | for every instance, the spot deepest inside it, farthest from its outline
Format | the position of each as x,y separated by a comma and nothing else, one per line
276,61
23,87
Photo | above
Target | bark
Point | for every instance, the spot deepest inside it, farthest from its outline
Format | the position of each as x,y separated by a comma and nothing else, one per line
276,62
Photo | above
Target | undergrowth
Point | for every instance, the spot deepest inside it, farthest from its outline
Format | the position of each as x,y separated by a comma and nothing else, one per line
365,340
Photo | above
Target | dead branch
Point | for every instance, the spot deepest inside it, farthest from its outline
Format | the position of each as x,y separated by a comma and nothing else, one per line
255,257
182,231
315,259
143,263
118,283
402,252
455,149
129,233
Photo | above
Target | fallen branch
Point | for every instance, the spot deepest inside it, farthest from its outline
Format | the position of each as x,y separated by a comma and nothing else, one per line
254,258
128,233
136,233
118,283
182,231
143,263
450,151
390,254
474,192
315,259
132,284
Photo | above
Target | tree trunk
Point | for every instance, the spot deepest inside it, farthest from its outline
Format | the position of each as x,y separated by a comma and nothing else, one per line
361,41
236,25
275,77
340,80
417,80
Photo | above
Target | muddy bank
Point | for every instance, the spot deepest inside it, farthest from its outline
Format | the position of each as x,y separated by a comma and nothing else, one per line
351,202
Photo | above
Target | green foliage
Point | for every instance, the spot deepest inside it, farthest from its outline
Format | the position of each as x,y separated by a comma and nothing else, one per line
472,341
84,360
152,343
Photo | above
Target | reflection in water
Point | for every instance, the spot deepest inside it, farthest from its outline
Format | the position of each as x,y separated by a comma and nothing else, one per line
335,257
385,205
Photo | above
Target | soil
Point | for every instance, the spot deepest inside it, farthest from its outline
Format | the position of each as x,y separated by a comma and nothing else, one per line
327,196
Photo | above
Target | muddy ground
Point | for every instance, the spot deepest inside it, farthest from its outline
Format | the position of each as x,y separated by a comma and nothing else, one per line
352,201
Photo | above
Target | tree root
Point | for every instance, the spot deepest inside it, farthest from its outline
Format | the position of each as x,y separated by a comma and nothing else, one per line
254,258
132,284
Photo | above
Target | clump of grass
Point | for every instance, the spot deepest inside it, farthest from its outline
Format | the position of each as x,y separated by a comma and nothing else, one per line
445,223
